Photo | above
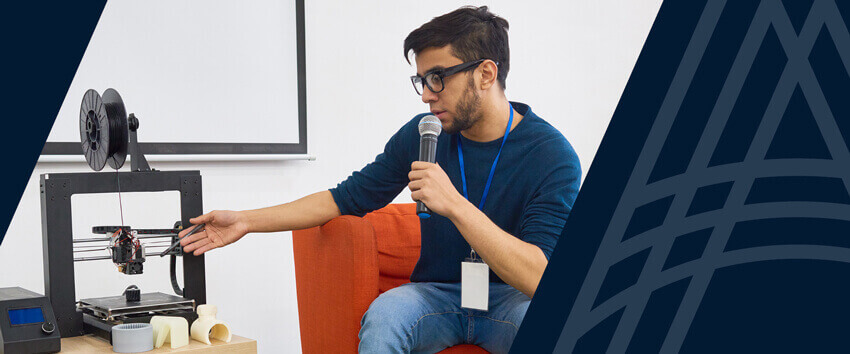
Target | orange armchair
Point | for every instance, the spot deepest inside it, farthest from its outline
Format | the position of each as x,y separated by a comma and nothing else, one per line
342,266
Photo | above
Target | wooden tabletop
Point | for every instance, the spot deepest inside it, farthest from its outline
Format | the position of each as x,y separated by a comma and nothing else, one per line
92,344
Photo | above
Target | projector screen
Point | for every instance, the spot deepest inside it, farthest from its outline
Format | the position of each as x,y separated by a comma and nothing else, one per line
202,77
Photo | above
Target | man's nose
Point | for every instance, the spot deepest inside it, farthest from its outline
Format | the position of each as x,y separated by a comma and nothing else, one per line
428,96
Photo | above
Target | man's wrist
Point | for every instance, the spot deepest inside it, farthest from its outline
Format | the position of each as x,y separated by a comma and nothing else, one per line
245,220
459,208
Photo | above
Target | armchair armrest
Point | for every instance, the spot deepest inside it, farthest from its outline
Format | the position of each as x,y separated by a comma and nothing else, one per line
336,271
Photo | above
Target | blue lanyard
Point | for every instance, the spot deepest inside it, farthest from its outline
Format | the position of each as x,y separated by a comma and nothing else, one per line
492,169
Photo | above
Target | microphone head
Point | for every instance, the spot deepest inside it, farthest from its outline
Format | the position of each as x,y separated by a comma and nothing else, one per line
430,124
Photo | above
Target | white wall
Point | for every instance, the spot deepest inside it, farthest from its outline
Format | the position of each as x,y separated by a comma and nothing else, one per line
570,62
204,61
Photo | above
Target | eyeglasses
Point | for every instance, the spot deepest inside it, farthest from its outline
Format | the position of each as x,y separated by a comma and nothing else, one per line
434,80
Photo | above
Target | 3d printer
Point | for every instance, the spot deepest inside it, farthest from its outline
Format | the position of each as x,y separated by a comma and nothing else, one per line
108,136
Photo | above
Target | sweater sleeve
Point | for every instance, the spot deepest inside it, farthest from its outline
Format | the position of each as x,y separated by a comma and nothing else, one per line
545,215
379,182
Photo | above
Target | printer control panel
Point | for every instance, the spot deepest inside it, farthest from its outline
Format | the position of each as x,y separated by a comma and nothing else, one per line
27,323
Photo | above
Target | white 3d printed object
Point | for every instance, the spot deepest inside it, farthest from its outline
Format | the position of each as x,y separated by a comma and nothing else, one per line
207,326
174,330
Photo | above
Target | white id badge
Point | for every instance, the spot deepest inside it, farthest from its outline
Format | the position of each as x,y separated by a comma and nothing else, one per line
475,285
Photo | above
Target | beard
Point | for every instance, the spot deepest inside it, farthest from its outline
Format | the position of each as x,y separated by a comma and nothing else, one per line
468,110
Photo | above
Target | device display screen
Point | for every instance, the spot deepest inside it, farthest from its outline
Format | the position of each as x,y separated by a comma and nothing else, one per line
26,316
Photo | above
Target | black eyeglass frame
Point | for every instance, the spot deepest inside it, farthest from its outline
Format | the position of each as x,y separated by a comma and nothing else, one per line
442,74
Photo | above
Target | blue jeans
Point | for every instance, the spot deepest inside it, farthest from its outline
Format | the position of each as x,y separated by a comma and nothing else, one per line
427,318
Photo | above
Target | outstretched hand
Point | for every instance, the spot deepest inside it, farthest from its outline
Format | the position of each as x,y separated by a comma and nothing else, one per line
222,228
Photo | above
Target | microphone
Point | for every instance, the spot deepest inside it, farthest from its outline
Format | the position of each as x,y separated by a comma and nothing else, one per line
429,129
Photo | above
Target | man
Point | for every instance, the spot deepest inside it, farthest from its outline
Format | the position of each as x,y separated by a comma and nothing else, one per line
523,169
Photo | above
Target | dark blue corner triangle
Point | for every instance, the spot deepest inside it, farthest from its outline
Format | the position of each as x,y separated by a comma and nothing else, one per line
606,179
723,308
43,45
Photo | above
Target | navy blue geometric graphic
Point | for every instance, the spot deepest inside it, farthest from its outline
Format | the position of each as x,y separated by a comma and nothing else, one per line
43,44
748,150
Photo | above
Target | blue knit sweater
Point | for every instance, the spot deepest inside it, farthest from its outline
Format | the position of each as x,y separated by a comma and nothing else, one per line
533,189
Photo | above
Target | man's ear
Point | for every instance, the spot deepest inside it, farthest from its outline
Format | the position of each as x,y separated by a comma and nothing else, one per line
489,73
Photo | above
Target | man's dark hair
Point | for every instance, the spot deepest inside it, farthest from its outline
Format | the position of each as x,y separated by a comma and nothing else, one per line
473,32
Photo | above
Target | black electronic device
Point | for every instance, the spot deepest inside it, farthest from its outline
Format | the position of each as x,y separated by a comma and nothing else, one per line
108,136
27,323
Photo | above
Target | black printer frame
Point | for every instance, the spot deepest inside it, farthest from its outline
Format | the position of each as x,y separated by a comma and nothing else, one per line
56,192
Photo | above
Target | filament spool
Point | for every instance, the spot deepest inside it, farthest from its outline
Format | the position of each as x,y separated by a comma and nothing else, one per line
104,135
